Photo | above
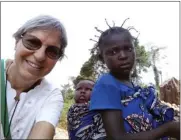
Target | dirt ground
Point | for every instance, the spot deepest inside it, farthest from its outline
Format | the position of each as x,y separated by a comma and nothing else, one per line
61,134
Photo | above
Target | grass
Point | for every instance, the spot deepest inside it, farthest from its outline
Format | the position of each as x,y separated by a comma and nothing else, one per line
63,120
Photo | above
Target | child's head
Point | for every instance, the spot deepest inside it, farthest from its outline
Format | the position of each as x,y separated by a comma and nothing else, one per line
117,51
83,91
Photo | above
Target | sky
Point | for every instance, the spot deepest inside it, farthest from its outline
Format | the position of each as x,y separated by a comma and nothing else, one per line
157,22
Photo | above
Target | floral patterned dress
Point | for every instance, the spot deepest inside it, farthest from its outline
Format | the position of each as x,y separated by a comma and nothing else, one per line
142,111
84,124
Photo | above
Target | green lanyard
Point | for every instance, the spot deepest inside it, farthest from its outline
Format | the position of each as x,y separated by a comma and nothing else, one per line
4,108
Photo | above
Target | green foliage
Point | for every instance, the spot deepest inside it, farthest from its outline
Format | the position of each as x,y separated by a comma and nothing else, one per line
87,69
68,101
69,95
142,61
65,88
86,72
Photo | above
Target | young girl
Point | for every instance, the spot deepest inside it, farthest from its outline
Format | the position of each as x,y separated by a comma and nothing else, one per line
82,123
128,112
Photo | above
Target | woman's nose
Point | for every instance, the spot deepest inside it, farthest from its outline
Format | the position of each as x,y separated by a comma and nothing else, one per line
40,54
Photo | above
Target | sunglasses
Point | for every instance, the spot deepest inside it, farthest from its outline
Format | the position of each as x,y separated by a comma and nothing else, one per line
33,43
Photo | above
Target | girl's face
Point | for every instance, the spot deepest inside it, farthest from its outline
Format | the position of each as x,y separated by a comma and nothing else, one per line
83,91
118,53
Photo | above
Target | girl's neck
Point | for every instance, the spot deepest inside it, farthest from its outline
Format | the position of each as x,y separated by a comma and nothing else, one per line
124,78
17,82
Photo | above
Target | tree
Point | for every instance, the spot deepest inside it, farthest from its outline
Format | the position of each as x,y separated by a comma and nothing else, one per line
68,95
142,62
77,79
87,71
154,57
66,88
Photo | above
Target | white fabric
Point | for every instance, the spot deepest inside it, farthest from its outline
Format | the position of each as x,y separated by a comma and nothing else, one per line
2,135
43,103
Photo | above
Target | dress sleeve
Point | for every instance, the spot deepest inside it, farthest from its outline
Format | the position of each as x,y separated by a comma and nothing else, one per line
51,111
105,95
157,108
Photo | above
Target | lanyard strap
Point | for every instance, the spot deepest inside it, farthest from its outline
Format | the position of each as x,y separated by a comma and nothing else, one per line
4,108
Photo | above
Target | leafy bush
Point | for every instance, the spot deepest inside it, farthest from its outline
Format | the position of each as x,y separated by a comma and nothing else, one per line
68,101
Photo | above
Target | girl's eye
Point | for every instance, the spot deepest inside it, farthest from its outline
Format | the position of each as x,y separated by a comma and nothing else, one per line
128,48
89,89
114,51
78,89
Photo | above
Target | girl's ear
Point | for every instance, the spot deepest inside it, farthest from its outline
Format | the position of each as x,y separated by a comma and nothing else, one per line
100,58
15,45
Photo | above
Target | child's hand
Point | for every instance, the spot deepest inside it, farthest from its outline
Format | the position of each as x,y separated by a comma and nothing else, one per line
173,129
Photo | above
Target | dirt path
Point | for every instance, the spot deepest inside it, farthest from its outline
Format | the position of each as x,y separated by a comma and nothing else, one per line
61,134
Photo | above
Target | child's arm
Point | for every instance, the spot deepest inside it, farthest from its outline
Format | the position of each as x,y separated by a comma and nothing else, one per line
115,128
106,98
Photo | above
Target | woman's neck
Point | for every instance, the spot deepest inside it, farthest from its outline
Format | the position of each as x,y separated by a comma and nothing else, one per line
17,82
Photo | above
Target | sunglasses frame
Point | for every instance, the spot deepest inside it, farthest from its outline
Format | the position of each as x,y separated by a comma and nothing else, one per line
60,54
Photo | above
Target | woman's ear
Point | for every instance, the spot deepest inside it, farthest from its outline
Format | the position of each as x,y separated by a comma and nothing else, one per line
8,63
16,44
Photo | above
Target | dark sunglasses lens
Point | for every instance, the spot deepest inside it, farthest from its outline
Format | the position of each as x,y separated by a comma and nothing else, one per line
31,42
53,52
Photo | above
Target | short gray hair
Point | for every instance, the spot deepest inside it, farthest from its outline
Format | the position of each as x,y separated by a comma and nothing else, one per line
43,22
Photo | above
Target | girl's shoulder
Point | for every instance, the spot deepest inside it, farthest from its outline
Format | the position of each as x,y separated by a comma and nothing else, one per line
106,79
109,80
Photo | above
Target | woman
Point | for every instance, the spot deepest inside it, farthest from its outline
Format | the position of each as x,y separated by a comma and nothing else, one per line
33,104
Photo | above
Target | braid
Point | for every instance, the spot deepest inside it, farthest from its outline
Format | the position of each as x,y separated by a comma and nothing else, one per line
112,30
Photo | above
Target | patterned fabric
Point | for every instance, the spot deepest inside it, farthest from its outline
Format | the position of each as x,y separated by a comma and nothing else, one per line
84,124
141,109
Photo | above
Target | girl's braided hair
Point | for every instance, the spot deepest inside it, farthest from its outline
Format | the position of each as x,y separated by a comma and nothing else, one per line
114,29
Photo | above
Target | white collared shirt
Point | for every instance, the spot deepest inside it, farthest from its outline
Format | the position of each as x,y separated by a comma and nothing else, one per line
43,103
